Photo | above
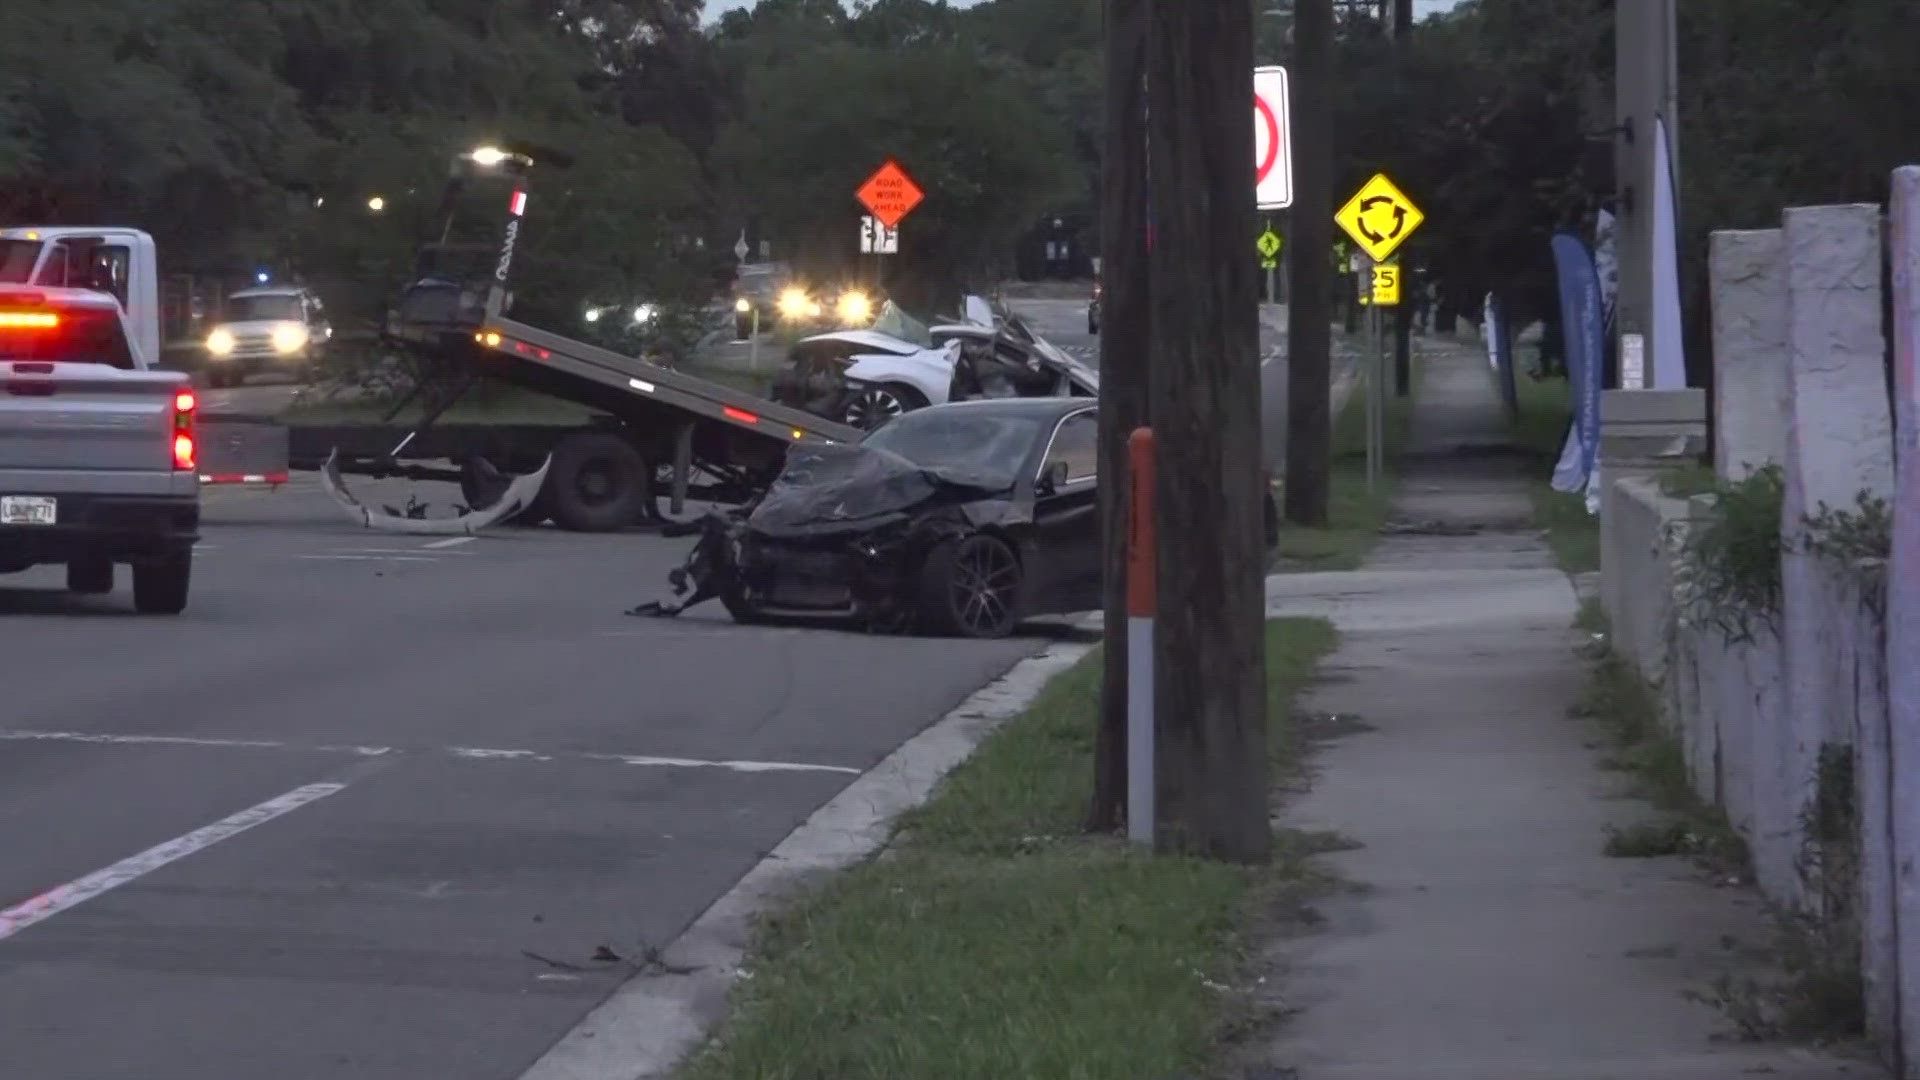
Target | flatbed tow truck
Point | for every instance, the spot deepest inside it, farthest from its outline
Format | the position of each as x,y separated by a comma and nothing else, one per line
656,438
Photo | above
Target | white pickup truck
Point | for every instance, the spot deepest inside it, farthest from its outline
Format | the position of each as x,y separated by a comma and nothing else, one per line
98,451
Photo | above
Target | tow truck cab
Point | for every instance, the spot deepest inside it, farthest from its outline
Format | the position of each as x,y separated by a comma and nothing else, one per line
117,261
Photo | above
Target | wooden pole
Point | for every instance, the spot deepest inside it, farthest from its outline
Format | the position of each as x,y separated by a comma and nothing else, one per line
1310,311
1210,717
1403,312
1123,375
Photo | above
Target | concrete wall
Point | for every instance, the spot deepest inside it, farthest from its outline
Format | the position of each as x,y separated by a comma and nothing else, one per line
1800,356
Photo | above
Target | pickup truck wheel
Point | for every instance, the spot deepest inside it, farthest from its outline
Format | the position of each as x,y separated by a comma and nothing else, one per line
160,588
598,482
90,577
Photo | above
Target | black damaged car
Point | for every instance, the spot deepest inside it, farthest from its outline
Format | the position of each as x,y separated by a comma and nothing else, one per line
960,520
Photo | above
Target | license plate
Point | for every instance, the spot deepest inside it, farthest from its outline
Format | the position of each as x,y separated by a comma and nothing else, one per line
28,510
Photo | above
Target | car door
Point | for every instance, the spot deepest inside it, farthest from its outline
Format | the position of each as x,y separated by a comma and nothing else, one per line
1066,517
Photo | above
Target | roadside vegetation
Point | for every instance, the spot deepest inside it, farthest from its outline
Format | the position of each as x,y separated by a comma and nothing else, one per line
995,938
1355,515
1539,431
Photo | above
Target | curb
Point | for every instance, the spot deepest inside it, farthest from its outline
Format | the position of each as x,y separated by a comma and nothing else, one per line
655,1019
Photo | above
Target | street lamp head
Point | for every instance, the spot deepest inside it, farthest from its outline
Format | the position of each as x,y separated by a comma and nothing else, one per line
488,155
376,204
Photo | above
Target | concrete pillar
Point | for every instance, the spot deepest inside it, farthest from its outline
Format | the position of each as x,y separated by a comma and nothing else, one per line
1642,433
1748,276
1903,609
1839,442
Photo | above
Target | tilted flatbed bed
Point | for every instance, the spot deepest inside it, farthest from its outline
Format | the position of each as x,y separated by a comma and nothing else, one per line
660,436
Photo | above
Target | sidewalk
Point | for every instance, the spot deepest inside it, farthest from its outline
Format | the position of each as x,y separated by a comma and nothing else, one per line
1486,937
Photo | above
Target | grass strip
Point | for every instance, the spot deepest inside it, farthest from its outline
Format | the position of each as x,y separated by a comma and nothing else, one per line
1355,515
995,939
1540,430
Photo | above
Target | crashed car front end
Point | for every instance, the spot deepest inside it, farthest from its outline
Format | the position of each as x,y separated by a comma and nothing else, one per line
869,574
844,532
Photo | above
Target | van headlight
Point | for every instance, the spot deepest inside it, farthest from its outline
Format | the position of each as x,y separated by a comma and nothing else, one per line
220,342
289,337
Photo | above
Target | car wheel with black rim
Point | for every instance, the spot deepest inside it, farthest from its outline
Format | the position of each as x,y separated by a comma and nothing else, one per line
598,482
970,587
875,405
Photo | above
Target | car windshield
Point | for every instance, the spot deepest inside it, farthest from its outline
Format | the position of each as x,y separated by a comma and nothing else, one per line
980,447
264,308
64,335
17,259
897,323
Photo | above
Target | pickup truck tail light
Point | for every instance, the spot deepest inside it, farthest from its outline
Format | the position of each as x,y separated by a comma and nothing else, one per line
185,451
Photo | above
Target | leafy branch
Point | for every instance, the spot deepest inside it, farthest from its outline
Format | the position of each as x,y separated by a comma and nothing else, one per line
1729,559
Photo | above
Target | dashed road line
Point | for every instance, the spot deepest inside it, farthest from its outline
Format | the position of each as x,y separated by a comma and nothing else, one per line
452,541
368,558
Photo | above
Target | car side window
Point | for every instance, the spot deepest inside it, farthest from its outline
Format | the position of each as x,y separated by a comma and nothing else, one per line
1077,443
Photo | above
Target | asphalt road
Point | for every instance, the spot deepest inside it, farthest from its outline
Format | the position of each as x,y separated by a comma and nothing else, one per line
372,805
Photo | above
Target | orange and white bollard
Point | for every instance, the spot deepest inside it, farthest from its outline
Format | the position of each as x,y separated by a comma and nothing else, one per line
1142,606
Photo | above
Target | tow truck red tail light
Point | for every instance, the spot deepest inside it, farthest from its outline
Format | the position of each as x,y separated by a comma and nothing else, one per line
29,320
741,415
184,449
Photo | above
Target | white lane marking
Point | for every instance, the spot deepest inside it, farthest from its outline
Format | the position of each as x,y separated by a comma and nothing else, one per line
364,558
453,541
74,893
179,740
467,753
411,552
481,753
731,766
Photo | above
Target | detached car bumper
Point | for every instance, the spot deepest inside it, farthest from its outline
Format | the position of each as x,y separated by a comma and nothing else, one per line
118,528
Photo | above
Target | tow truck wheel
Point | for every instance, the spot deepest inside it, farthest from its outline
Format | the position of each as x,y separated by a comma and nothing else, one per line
90,577
160,588
598,482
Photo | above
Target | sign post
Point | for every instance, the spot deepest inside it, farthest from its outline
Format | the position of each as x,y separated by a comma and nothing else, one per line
1269,246
1272,140
877,239
889,195
1379,218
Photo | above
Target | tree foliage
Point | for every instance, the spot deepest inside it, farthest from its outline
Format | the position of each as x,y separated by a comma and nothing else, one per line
253,135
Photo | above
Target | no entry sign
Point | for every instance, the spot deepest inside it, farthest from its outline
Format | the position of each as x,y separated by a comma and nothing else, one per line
1272,140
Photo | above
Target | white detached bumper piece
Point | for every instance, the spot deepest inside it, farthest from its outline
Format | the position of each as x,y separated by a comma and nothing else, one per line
518,496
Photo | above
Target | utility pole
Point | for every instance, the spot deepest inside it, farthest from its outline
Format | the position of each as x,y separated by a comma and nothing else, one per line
1124,365
1402,31
1210,746
1646,87
1310,314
